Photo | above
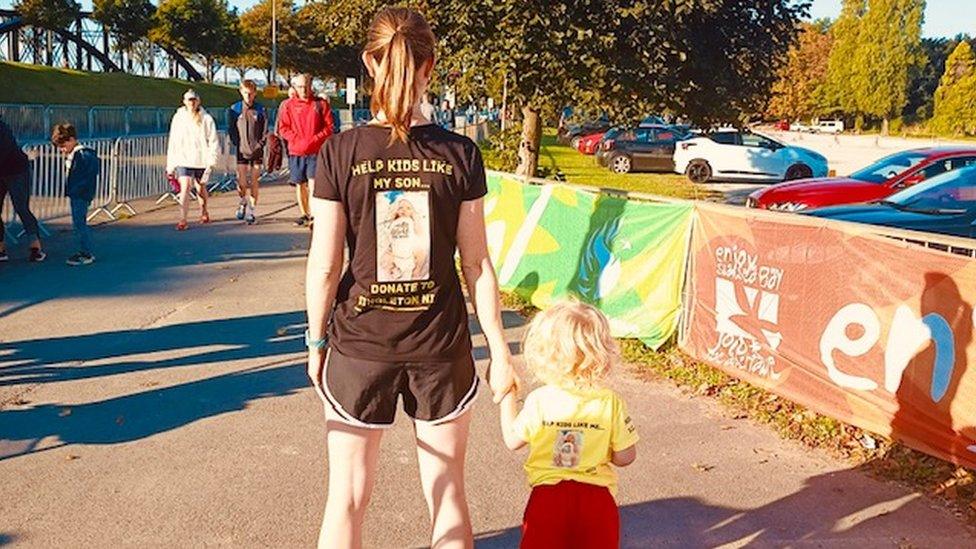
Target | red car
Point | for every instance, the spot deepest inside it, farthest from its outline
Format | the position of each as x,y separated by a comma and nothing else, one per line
874,182
588,144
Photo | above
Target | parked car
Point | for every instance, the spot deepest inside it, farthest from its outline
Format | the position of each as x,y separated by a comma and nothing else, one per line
605,145
739,155
573,131
945,204
798,126
828,126
873,182
782,125
588,144
643,149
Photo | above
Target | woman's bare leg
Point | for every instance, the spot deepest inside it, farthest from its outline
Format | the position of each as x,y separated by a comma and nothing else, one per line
185,183
353,454
440,453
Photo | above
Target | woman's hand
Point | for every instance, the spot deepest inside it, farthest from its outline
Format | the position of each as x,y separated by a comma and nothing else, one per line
316,367
502,377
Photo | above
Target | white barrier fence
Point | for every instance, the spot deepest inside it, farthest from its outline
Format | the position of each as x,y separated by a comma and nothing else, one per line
133,167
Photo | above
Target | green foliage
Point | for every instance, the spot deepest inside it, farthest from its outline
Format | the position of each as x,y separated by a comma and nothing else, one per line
49,14
203,27
955,99
838,93
129,20
890,49
501,150
256,32
877,51
710,60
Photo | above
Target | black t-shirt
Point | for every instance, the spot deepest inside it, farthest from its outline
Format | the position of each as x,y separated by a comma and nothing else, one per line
400,298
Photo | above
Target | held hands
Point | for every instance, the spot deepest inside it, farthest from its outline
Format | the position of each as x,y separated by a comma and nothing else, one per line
502,378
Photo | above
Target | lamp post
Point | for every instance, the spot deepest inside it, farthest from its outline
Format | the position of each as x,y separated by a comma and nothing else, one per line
274,42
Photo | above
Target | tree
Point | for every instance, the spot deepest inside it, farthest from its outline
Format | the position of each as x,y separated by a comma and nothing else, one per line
711,60
794,95
256,33
839,92
925,78
198,27
49,14
890,49
129,20
955,99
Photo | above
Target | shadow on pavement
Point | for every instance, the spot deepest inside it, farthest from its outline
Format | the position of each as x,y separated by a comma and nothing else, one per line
141,260
833,509
111,353
146,413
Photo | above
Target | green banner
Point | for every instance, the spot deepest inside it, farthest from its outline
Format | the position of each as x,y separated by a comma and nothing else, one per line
627,257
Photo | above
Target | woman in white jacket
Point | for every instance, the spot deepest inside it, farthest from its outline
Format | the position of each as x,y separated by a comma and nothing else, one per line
192,153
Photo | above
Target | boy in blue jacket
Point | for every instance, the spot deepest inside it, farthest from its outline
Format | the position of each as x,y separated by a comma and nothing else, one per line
83,167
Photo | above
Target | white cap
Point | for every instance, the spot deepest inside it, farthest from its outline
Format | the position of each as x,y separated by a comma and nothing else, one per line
190,94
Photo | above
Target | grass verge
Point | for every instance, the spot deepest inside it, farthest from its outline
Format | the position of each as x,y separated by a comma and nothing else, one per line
581,169
870,453
53,86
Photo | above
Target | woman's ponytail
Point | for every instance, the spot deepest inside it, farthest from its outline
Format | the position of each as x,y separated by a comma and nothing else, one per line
400,41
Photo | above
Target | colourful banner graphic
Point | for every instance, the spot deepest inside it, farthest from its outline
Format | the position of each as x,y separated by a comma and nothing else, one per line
869,330
625,256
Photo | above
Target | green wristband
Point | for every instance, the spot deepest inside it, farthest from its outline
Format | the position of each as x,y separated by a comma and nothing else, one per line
315,343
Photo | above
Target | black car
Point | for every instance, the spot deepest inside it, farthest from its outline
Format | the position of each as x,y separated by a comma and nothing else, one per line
944,204
643,149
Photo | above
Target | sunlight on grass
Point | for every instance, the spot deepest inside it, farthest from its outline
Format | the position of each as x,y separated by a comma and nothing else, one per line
584,170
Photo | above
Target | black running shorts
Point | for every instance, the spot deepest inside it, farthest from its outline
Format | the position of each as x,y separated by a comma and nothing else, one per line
364,393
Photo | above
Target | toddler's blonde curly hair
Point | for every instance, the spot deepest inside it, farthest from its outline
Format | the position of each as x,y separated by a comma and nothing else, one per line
569,345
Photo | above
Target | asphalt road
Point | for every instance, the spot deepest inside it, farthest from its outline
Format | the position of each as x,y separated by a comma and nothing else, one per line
158,398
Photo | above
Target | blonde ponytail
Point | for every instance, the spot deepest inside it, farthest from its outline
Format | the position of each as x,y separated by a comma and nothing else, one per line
400,41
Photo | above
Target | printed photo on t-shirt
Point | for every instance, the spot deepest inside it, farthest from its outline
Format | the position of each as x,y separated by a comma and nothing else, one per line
402,236
569,447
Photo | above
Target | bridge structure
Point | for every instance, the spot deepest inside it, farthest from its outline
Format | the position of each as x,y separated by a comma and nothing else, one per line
87,45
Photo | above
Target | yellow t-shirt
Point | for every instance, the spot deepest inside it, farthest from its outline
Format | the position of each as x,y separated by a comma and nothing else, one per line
572,433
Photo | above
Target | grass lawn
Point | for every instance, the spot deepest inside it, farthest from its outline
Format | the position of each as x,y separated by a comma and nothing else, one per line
24,83
584,170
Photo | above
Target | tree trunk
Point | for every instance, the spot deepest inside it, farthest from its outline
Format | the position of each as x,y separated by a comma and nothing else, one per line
884,126
529,145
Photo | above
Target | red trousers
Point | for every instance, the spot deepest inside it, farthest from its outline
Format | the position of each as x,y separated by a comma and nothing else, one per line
571,515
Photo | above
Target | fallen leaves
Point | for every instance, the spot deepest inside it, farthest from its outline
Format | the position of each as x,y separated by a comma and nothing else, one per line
702,467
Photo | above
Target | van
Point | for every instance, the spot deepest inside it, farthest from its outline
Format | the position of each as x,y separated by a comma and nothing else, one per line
829,126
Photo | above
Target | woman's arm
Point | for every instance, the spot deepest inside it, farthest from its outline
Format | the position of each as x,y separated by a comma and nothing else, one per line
322,274
509,411
171,143
479,275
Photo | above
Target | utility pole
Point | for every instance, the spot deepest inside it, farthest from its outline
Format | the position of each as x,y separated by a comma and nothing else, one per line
274,42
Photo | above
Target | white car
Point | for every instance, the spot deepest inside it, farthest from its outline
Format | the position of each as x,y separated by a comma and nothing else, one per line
732,155
828,126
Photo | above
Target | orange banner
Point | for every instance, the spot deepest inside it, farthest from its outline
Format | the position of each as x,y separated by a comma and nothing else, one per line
866,329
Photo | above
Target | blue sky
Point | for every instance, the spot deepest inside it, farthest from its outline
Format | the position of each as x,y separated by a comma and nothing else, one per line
942,17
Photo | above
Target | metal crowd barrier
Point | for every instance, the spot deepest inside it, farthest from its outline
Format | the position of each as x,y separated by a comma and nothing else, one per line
133,167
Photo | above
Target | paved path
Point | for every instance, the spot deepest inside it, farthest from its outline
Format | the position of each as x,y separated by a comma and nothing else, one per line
158,398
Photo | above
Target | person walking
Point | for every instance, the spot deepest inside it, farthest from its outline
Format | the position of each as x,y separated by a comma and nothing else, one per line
247,127
427,108
404,195
192,153
304,122
15,180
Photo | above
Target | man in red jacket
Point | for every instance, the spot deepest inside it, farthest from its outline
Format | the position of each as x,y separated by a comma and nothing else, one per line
305,122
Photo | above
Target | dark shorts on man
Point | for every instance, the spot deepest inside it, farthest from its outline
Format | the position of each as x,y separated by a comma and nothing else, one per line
254,159
301,168
194,173
364,393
